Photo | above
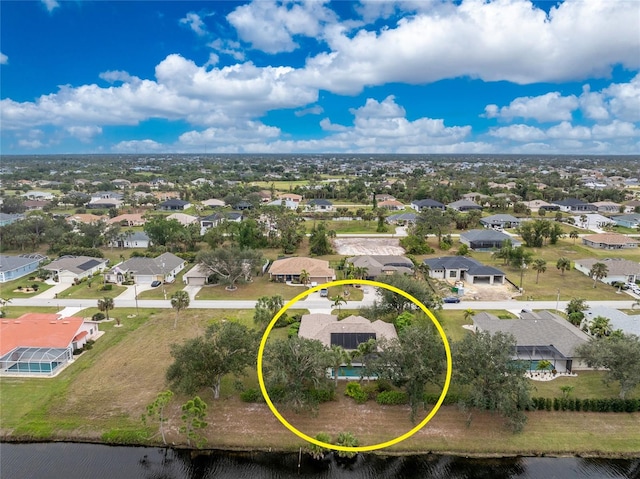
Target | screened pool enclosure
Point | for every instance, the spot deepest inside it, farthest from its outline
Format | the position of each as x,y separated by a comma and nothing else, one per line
35,361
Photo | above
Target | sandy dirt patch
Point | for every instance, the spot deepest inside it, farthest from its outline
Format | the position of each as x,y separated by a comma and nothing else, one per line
364,246
486,292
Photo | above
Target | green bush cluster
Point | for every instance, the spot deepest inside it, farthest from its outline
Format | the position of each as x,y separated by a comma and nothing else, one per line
448,400
391,398
322,395
251,395
98,317
593,405
293,330
354,391
106,287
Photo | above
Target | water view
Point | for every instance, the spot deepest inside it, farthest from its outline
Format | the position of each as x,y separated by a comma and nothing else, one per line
70,461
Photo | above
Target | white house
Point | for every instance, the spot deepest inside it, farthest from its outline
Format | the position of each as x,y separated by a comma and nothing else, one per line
68,269
618,269
147,270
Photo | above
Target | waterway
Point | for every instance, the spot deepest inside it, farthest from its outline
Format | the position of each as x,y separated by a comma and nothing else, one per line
71,461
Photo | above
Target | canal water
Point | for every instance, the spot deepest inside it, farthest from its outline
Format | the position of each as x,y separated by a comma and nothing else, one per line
94,461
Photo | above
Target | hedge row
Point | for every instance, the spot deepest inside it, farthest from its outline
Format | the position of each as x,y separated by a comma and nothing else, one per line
592,405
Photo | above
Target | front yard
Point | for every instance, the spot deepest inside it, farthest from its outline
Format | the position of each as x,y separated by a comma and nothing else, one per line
260,286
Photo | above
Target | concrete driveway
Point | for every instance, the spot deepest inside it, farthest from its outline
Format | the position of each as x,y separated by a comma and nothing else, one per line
130,292
52,292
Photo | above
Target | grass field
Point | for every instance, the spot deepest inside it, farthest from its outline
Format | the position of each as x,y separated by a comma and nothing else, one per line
10,288
103,393
82,291
261,286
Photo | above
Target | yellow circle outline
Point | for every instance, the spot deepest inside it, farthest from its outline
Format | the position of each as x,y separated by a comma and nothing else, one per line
373,447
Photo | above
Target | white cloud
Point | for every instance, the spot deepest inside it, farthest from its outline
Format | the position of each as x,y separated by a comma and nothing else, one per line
84,133
271,25
624,99
51,5
139,146
195,23
326,125
487,40
548,107
312,110
113,76
592,104
4,59
567,131
31,144
228,47
615,129
518,133
241,133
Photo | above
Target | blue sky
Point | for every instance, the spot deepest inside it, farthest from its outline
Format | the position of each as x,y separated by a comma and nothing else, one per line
407,76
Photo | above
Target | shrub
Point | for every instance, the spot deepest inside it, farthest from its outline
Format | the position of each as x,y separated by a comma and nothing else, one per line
322,395
35,286
78,351
106,287
392,398
384,385
250,395
293,330
98,317
89,344
371,389
354,390
448,400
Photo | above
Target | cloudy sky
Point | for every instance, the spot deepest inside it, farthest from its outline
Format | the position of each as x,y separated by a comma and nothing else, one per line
406,76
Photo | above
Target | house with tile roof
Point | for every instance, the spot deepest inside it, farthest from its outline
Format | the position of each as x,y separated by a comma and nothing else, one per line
128,219
42,344
461,268
183,218
289,270
540,335
618,269
610,241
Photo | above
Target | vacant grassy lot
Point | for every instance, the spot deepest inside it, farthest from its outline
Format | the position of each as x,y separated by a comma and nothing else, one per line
11,289
83,291
260,286
103,393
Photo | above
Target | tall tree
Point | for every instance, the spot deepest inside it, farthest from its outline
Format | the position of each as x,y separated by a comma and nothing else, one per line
598,271
339,356
619,355
338,300
105,305
161,231
179,300
539,266
484,363
266,308
573,235
155,411
563,264
194,411
305,277
319,244
600,327
396,303
232,265
201,362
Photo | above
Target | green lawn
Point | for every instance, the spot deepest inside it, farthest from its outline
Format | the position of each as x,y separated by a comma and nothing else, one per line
10,288
353,294
587,385
261,286
17,311
353,227
83,291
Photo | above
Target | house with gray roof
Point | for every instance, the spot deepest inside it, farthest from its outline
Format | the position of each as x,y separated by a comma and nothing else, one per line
628,324
382,265
14,267
461,268
401,219
618,269
574,205
136,239
500,221
10,218
69,269
174,205
464,205
486,239
320,204
427,204
631,220
539,336
147,270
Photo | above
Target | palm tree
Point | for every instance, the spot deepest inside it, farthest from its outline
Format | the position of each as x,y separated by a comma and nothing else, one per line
105,305
339,356
573,235
543,365
636,303
305,277
600,327
179,301
598,271
361,272
5,301
583,220
362,353
563,264
539,266
469,314
337,301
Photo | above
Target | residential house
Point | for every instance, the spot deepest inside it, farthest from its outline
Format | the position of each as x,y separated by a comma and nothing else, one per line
539,336
289,270
133,219
632,206
105,200
291,197
391,205
85,218
147,270
384,197
610,241
10,218
401,219
197,276
607,206
464,205
215,219
474,197
34,205
461,268
183,218
618,269
14,267
174,205
287,204
425,204
537,205
38,195
628,324
42,344
135,239
500,221
382,265
243,206
628,221
574,205
213,203
486,239
592,221
70,269
348,333
320,205
121,183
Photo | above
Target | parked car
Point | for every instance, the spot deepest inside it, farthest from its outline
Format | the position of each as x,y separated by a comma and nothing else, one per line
451,299
156,283
324,292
